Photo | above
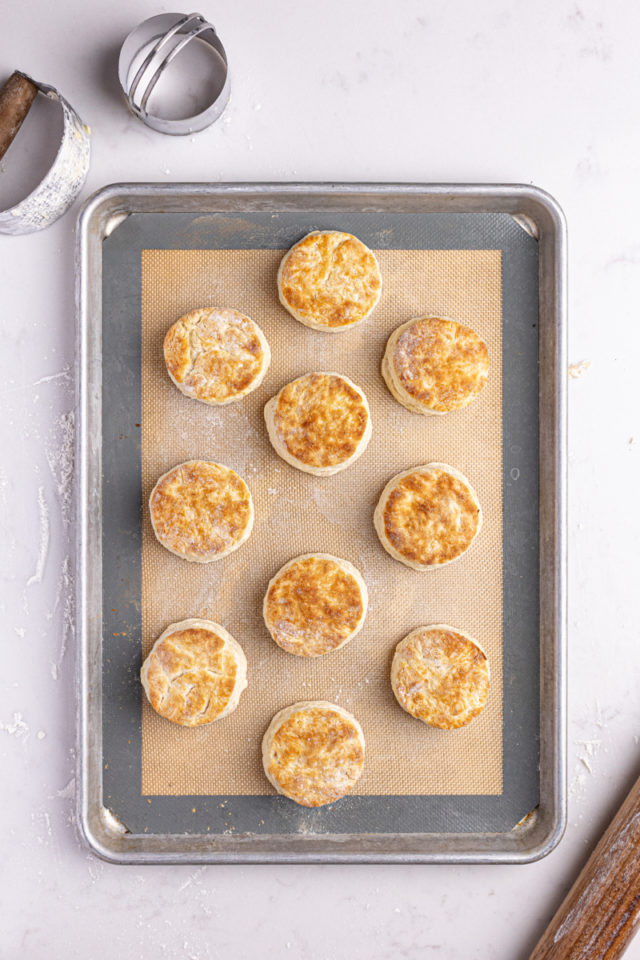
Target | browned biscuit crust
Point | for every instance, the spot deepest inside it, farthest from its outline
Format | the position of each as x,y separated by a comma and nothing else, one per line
313,752
440,676
315,604
195,673
216,355
435,365
319,422
428,516
329,280
201,510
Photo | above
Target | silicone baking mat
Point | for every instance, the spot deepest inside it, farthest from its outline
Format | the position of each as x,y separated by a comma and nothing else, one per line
479,269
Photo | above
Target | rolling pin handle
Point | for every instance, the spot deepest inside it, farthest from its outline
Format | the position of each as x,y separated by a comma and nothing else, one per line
16,98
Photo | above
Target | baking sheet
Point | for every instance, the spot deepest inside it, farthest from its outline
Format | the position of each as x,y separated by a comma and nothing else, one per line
490,792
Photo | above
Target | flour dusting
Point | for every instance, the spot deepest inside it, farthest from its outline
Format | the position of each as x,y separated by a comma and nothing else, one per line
44,538
17,727
62,375
60,458
64,593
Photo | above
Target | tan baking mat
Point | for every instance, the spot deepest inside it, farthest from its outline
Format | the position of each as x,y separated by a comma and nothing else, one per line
297,513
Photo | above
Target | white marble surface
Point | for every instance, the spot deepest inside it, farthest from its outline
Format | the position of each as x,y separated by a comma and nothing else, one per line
463,91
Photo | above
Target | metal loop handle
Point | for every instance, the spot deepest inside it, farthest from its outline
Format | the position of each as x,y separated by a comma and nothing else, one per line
162,66
157,47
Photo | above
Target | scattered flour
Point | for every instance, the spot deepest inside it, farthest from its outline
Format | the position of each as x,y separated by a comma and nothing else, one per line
60,458
589,751
63,589
17,728
62,375
44,538
193,878
68,792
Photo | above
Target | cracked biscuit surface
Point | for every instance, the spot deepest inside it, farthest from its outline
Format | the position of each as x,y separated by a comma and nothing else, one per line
440,676
434,365
313,752
314,604
195,673
329,281
216,355
428,516
319,423
201,511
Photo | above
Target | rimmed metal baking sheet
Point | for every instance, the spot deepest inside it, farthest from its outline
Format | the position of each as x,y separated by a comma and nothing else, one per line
527,225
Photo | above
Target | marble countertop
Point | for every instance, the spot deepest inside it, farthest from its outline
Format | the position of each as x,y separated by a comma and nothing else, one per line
409,91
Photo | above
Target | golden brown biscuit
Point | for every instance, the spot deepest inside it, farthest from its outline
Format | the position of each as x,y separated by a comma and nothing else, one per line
194,673
313,752
315,604
216,355
434,365
428,516
201,511
441,676
329,281
319,423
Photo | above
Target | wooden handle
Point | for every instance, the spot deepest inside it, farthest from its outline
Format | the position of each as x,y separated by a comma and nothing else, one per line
597,919
16,97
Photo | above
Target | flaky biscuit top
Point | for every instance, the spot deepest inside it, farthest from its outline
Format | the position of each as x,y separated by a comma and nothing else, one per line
200,509
440,676
430,516
330,279
316,755
320,419
313,606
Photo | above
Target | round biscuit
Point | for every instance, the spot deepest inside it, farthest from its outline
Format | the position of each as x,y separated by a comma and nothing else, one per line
313,752
319,423
216,355
194,673
434,365
329,281
314,604
440,676
201,511
428,516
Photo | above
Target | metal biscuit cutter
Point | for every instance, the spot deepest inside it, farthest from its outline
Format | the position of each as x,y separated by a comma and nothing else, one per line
147,52
66,176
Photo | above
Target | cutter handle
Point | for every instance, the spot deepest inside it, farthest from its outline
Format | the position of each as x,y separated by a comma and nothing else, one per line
597,919
16,97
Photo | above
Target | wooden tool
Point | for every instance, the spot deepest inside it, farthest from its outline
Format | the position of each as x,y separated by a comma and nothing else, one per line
16,97
598,917
63,181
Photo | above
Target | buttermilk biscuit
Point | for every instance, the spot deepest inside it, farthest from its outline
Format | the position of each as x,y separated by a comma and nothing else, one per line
313,752
319,423
441,676
315,604
201,511
329,281
434,365
194,673
216,355
428,516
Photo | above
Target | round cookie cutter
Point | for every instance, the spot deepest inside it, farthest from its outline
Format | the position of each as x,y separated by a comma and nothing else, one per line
56,192
147,52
